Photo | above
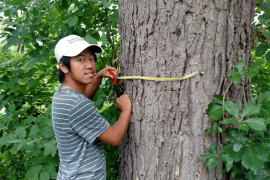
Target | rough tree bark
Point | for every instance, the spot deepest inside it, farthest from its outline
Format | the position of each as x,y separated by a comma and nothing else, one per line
171,38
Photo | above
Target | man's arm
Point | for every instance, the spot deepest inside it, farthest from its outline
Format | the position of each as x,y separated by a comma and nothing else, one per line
113,135
91,89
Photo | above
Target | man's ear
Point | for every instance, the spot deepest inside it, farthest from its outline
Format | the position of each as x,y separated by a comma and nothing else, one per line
63,68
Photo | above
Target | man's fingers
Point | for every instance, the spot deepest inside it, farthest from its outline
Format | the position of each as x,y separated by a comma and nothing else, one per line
111,68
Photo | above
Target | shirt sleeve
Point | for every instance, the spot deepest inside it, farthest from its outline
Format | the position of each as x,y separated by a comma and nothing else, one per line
86,121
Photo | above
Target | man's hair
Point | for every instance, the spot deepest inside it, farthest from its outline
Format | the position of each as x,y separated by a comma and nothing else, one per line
65,61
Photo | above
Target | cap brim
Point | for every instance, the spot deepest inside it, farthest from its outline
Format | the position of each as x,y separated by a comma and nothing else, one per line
79,49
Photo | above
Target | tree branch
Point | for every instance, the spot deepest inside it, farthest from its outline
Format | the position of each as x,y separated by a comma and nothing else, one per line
35,25
53,19
93,14
108,36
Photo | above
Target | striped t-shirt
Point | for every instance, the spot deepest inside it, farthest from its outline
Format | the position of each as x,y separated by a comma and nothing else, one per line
77,124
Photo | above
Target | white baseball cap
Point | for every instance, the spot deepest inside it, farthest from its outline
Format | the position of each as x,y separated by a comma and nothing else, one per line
73,45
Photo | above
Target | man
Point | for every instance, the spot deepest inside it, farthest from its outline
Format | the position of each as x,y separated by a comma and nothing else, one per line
79,128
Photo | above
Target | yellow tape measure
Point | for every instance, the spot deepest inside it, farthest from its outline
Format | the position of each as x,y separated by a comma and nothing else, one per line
115,77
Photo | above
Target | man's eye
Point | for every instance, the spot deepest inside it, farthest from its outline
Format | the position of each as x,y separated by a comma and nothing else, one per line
92,59
81,59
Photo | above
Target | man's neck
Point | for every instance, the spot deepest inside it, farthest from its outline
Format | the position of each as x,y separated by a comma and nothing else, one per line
70,84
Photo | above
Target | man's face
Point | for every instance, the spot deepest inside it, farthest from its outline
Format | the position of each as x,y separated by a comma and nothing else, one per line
83,67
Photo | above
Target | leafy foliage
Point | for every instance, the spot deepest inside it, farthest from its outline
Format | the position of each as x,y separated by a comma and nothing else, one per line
246,154
247,130
28,79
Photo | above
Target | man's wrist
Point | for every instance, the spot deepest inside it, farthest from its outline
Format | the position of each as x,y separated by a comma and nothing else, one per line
98,76
126,110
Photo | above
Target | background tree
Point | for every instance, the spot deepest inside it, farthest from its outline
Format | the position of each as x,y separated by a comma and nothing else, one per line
170,39
29,79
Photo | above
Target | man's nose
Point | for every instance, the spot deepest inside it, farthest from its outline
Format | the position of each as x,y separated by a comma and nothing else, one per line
89,64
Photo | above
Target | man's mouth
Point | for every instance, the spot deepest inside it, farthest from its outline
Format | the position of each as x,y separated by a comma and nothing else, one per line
89,74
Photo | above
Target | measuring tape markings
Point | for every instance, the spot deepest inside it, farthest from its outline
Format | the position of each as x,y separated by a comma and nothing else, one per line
115,77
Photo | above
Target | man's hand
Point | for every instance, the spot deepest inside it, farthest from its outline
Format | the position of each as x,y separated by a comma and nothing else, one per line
105,72
123,103
113,135
91,89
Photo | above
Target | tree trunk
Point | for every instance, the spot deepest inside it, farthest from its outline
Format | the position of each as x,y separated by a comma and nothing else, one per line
172,38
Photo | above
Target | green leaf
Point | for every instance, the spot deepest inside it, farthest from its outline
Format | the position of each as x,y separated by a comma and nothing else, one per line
32,62
265,110
235,79
5,140
250,108
237,146
232,73
236,156
263,174
106,4
33,172
256,123
250,176
90,39
95,35
20,131
218,129
48,110
30,119
12,108
237,137
14,2
8,84
251,73
48,132
72,20
4,9
51,170
261,50
31,83
267,57
264,97
35,12
12,11
262,150
218,99
13,40
232,109
39,159
265,33
228,161
231,120
236,171
212,148
80,13
44,176
243,126
54,151
212,162
43,58
255,65
104,38
115,17
207,132
215,111
49,147
251,161
240,65
54,161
